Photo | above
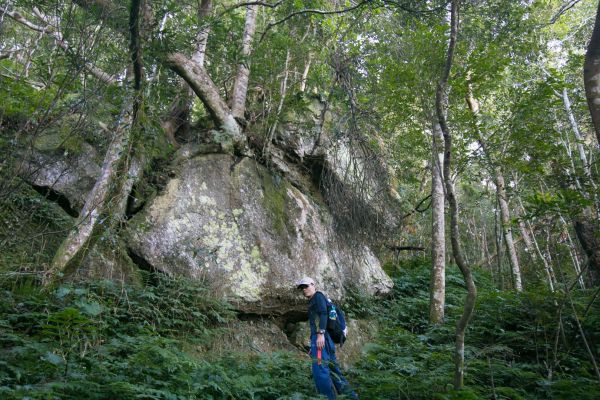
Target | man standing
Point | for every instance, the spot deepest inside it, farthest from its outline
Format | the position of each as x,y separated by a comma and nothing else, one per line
326,372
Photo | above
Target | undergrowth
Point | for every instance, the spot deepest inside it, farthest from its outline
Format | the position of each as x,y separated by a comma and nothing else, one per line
518,345
107,341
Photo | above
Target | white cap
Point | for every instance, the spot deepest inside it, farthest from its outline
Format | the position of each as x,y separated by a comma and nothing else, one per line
305,281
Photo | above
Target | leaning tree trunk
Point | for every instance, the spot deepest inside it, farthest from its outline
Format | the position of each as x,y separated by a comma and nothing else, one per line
179,111
591,75
96,207
437,290
441,101
197,77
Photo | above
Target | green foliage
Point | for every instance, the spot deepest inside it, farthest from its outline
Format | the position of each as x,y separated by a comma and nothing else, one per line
509,353
20,100
104,341
28,221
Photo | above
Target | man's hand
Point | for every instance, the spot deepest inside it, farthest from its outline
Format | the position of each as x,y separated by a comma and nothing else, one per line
320,341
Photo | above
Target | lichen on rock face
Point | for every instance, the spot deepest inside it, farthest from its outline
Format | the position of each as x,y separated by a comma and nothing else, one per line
248,232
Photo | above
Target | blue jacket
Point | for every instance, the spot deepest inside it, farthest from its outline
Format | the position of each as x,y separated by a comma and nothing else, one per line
317,313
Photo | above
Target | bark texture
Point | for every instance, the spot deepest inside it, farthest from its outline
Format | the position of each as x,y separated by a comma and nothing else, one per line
240,86
591,74
202,38
437,294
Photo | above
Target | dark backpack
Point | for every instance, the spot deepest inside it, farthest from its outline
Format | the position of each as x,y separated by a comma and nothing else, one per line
336,323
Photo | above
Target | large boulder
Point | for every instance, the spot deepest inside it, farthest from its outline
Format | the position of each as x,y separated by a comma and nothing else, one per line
65,174
350,166
251,234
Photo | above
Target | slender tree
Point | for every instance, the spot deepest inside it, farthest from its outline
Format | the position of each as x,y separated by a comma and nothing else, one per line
437,292
500,192
240,86
441,101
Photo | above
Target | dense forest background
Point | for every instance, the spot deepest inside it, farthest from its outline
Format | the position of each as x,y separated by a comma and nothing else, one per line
479,121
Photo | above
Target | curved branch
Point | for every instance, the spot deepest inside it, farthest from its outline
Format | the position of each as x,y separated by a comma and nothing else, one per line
251,3
417,209
312,11
199,80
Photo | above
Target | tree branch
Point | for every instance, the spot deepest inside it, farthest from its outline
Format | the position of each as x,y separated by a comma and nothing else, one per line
312,11
404,248
63,44
417,209
251,3
563,9
413,11
199,80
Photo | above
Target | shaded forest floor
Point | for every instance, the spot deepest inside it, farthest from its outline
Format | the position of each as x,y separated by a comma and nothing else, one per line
104,341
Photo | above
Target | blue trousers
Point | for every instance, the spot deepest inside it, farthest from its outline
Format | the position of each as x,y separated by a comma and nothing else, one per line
326,374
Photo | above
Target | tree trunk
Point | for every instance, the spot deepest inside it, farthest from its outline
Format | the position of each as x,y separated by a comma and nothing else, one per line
579,139
500,192
522,227
106,201
180,107
507,231
437,291
591,75
526,238
547,267
573,253
96,206
441,102
305,72
240,86
283,93
587,233
199,80
202,38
